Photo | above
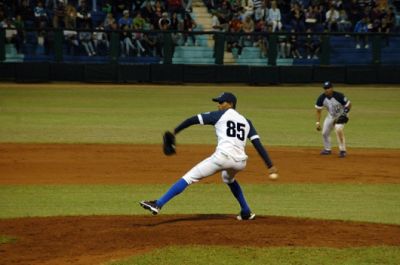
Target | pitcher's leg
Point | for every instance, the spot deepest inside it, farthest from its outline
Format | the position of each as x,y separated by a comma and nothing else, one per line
204,169
228,178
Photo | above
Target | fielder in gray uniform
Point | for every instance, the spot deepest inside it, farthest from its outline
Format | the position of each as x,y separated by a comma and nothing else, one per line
232,130
338,107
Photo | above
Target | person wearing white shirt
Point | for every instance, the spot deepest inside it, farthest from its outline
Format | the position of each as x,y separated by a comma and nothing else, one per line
332,18
274,17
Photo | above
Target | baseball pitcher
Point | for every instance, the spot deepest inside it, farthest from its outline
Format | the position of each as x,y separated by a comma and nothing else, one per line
232,130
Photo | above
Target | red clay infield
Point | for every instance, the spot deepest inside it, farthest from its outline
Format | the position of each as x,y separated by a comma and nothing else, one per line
97,239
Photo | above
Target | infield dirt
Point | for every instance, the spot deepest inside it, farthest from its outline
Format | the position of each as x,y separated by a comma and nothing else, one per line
96,239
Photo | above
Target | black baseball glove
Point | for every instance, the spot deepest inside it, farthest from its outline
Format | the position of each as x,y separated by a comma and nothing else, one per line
169,143
342,119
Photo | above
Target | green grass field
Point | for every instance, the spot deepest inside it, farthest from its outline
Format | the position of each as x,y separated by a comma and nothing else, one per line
283,116
197,255
370,203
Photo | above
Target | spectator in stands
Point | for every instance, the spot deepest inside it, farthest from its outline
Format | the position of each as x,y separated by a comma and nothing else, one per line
137,5
236,6
248,27
362,27
120,6
344,24
274,17
320,15
391,19
294,46
150,41
284,46
164,23
233,42
382,4
159,10
248,6
137,37
375,16
312,44
26,12
40,14
160,45
59,15
310,17
70,16
138,21
106,6
258,9
109,21
176,25
236,23
83,16
125,20
261,40
354,12
12,34
215,23
297,18
148,12
211,4
71,39
285,7
175,22
174,6
224,15
332,18
126,41
100,40
189,24
384,27
86,38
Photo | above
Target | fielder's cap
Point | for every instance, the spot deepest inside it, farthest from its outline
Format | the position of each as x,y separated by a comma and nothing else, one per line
226,97
327,85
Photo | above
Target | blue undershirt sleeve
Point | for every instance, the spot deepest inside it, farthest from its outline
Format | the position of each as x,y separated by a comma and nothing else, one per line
262,152
188,122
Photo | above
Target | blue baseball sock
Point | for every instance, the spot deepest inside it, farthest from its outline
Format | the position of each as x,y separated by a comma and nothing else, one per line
238,193
177,188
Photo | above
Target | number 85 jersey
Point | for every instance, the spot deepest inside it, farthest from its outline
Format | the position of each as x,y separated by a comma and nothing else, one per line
232,130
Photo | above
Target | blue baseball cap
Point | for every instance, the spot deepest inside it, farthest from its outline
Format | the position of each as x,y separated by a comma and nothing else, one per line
327,85
226,97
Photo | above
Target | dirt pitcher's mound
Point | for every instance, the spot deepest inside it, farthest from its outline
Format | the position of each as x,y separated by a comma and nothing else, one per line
93,240
96,239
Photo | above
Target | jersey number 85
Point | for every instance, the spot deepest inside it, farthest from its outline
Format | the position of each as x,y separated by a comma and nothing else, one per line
235,130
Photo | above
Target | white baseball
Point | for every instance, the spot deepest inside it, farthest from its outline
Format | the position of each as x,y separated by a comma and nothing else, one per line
273,176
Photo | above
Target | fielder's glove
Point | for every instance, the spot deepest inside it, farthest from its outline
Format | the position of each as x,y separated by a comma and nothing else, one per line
342,119
169,143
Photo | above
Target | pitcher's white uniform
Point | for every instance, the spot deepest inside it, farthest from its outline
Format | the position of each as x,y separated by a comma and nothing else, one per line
232,130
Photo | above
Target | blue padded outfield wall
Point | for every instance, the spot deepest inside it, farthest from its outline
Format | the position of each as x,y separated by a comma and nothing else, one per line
206,61
184,73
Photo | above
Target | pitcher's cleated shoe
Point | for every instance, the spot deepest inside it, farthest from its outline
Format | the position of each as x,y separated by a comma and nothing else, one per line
150,206
244,217
325,152
342,154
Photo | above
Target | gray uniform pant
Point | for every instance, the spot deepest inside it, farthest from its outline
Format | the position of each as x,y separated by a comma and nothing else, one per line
329,125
